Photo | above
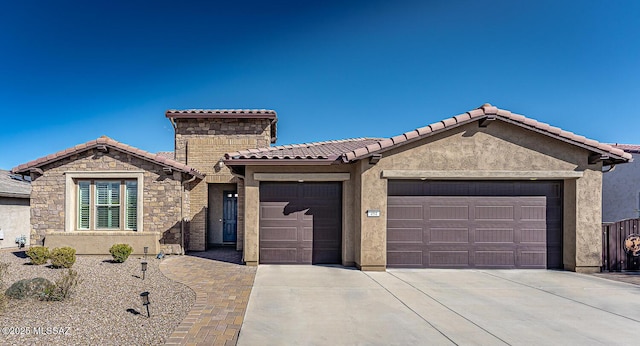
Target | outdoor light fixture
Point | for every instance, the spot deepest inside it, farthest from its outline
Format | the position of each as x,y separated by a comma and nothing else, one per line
145,301
146,250
144,269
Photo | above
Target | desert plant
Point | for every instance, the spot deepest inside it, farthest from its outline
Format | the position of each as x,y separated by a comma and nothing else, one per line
120,252
63,257
63,288
38,254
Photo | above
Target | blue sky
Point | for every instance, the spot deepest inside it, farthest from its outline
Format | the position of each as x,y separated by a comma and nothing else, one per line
72,71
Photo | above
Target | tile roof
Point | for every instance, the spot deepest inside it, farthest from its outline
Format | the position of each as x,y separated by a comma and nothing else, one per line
327,151
488,111
349,150
167,154
173,114
628,148
13,186
110,143
222,113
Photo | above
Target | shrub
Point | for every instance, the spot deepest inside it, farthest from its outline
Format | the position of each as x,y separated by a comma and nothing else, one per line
63,288
28,288
63,257
120,252
38,254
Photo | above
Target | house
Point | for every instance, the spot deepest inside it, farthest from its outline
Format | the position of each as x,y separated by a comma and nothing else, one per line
621,188
484,189
14,209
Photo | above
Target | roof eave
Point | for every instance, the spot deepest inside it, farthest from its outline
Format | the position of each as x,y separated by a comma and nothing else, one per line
38,163
281,162
15,195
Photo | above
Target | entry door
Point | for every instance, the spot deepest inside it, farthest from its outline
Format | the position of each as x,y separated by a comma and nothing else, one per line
229,216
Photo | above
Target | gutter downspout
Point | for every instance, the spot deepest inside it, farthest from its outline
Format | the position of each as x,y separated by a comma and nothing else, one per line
182,218
610,169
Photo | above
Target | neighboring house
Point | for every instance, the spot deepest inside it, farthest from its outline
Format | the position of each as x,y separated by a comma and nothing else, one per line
484,189
621,188
14,209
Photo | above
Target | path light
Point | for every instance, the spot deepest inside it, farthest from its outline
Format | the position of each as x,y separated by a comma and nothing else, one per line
144,269
145,301
146,250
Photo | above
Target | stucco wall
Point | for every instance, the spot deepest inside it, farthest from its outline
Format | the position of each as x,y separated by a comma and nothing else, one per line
499,147
621,192
14,220
160,200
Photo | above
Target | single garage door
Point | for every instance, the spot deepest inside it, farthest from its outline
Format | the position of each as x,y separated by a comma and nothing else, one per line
300,223
474,224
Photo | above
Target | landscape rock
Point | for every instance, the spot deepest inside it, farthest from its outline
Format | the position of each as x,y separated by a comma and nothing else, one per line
28,288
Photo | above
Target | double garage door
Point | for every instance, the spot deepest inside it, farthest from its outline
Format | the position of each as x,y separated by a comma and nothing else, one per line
300,223
474,224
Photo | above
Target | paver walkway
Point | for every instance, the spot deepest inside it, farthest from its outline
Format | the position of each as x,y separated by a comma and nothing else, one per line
222,286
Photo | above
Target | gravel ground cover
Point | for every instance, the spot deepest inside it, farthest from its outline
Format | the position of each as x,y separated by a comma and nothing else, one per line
106,308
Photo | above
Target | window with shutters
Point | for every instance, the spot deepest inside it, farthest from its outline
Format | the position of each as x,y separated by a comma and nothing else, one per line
107,205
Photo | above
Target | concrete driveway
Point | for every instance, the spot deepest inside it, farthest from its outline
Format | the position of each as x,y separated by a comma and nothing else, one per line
320,305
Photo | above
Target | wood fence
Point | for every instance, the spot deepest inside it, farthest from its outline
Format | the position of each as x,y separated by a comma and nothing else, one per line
614,258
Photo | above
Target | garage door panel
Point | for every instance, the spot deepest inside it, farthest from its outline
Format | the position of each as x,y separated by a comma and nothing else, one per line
495,259
538,236
275,211
280,255
449,212
279,234
444,259
490,212
405,258
533,212
448,235
503,231
407,212
405,235
493,235
532,259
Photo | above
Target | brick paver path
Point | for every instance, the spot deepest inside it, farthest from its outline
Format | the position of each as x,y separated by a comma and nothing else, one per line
222,288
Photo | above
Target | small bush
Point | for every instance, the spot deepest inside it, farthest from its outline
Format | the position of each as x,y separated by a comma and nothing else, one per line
63,288
120,252
63,257
28,288
38,254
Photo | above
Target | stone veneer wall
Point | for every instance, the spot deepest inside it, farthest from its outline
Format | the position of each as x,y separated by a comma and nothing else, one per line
161,199
201,143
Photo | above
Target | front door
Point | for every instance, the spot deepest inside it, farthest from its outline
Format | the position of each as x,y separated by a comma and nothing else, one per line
229,216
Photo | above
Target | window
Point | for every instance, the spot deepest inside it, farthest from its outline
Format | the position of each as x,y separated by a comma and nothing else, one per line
100,206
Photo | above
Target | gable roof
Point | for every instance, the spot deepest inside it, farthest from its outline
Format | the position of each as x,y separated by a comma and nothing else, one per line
609,154
270,114
310,153
361,148
109,143
628,148
12,186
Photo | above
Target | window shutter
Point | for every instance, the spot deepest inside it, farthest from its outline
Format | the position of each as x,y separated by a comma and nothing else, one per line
131,190
84,208
107,204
